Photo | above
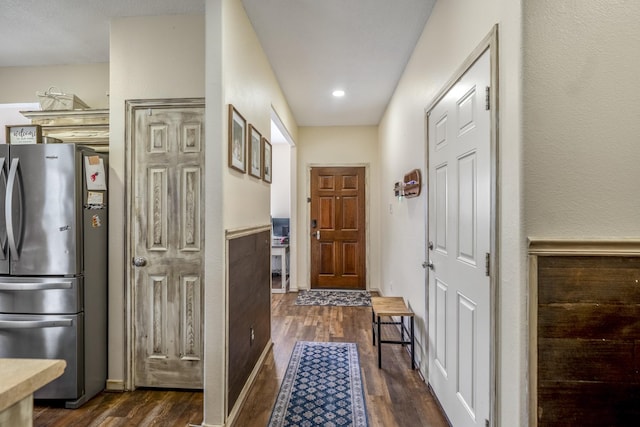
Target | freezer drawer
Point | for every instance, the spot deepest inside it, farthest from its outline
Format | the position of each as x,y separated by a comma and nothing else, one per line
40,295
47,337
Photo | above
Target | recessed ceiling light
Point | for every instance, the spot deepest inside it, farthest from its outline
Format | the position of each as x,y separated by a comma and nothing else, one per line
338,93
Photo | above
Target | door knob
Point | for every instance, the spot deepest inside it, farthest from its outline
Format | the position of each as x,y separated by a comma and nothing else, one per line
139,261
428,264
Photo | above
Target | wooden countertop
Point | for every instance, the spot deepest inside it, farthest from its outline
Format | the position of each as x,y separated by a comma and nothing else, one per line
22,377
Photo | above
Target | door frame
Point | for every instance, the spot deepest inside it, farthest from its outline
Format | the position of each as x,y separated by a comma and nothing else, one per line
489,43
367,210
131,106
293,199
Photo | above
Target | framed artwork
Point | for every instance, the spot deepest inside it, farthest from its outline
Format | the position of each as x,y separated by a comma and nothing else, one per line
237,138
266,160
255,152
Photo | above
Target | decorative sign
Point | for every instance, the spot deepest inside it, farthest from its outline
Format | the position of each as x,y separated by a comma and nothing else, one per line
24,134
95,198
95,173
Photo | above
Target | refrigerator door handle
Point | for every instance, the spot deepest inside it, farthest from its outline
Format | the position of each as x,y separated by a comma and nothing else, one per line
3,176
11,184
35,286
34,324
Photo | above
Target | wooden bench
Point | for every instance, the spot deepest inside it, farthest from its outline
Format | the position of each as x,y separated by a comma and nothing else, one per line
392,307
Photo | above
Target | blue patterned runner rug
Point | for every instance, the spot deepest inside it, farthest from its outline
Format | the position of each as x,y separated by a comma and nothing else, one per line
337,298
322,387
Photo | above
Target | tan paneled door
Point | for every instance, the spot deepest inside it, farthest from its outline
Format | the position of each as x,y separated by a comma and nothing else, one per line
167,243
338,244
459,213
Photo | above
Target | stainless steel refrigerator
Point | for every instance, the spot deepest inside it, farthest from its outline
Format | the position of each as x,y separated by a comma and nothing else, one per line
53,263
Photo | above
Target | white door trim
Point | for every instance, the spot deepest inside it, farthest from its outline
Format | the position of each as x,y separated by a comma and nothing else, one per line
490,42
131,106
293,200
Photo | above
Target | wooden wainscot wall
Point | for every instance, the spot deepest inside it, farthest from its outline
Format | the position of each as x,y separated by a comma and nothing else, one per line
249,274
585,333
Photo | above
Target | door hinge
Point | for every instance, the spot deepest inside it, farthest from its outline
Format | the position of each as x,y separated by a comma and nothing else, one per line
487,264
487,99
308,199
486,423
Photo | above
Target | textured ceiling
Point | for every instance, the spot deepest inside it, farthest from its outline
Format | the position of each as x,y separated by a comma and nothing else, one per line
314,46
360,46
54,32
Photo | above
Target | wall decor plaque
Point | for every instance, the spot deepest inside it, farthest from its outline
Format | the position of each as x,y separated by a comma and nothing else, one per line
24,134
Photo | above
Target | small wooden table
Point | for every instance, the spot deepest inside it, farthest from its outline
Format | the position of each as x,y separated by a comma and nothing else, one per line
392,307
20,378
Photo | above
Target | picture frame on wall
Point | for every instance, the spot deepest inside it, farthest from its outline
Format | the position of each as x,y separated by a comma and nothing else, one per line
237,140
266,160
255,152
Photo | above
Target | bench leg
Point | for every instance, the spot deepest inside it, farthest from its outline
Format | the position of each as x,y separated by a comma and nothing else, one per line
379,346
373,326
413,345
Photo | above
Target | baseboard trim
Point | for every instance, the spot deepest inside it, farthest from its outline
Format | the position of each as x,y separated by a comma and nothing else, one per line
115,385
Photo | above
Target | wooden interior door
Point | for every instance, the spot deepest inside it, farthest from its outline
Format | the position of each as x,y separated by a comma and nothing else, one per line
338,246
167,244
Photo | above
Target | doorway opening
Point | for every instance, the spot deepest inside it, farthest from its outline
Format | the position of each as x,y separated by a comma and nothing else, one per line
283,207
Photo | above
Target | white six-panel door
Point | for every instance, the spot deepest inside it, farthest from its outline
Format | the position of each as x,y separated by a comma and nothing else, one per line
459,224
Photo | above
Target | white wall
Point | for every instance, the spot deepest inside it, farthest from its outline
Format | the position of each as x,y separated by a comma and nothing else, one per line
10,115
238,73
454,29
215,316
281,182
89,82
250,85
340,146
582,119
167,62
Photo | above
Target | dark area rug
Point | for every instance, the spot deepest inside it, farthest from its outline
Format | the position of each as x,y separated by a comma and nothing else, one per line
336,298
322,387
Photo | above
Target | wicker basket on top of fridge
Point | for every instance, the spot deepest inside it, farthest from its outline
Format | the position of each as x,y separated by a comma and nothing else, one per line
54,99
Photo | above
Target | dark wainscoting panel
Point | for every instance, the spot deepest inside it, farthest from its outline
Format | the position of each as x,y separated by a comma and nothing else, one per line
588,327
249,306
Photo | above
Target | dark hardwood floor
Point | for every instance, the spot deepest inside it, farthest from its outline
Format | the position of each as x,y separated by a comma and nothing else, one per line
395,395
161,408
